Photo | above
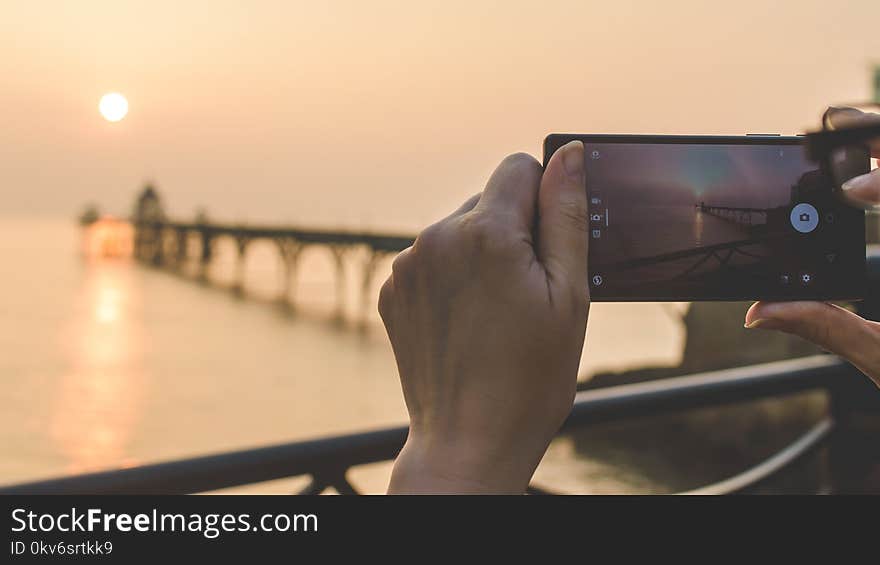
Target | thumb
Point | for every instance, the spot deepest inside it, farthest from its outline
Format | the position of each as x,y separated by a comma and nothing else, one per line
562,217
831,327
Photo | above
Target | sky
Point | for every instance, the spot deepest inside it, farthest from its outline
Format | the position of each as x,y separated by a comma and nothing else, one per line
746,176
385,115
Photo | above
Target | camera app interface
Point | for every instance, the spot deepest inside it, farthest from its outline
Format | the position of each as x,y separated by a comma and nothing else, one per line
689,222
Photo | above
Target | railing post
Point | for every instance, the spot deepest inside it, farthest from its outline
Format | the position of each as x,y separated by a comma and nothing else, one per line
854,450
854,455
870,307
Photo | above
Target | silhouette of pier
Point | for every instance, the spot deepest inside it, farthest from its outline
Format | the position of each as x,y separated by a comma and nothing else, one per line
165,243
743,216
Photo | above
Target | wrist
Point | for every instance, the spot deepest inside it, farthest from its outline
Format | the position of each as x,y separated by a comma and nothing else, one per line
431,466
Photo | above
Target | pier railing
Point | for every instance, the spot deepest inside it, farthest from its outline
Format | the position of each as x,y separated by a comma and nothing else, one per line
166,244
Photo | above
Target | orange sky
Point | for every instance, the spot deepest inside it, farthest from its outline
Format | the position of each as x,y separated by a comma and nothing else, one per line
385,114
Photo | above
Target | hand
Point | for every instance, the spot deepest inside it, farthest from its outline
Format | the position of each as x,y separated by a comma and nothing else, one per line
828,326
862,191
487,313
831,327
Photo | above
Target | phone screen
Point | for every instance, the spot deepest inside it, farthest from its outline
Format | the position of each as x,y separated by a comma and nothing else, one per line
717,221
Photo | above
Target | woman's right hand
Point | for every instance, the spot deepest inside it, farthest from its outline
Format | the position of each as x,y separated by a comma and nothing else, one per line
829,326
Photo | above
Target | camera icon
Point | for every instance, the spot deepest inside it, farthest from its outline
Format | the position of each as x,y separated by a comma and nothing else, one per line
804,217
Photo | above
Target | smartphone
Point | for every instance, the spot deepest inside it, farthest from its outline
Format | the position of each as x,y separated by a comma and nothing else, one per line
690,218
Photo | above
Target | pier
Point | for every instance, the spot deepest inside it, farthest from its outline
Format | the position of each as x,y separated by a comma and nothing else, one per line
743,216
166,243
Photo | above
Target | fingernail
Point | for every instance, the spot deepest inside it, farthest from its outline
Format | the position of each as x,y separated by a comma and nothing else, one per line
856,183
763,324
863,190
573,158
755,324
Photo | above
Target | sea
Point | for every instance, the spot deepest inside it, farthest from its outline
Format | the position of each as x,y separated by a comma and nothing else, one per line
108,363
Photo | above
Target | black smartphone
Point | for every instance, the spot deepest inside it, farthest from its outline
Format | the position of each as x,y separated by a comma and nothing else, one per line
688,218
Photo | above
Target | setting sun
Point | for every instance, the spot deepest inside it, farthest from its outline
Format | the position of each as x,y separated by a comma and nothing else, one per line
113,106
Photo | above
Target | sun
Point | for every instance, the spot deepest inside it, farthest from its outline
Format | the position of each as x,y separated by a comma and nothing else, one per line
113,106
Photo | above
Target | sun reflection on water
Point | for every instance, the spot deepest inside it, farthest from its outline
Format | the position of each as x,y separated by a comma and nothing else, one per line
99,398
698,228
108,237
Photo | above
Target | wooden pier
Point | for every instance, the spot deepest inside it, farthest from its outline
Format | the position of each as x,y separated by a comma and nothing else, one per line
165,243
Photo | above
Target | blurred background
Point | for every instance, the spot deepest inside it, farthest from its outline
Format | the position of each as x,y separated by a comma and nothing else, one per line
365,117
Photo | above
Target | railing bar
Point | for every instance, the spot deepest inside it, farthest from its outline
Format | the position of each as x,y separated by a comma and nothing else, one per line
214,472
727,386
313,488
343,486
813,438
738,375
538,491
312,457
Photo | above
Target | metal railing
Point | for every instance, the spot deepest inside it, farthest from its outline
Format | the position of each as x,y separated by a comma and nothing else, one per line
326,461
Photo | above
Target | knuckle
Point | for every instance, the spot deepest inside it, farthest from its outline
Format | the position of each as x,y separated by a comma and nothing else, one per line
522,161
386,298
521,165
401,266
487,234
430,241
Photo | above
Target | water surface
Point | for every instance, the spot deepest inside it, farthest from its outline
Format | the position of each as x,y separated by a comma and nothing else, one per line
109,363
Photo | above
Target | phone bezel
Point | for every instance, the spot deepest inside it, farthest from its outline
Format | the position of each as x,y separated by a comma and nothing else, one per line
844,290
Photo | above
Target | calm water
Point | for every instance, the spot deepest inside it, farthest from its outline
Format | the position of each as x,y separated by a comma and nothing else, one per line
108,363
653,230
649,231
